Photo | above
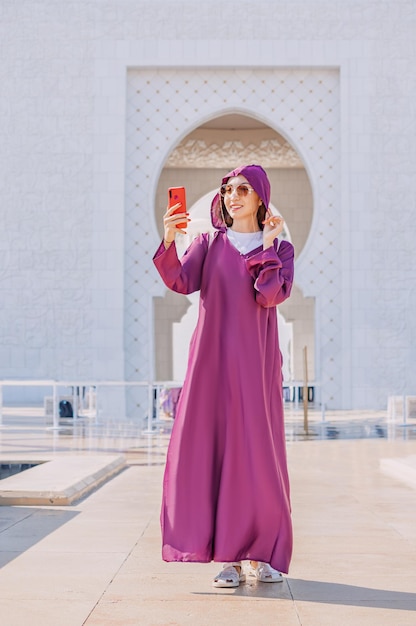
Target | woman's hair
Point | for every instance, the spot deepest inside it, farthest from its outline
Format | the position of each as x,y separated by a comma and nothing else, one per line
261,215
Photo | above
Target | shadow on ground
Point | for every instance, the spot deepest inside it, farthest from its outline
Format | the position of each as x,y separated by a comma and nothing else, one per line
298,590
23,527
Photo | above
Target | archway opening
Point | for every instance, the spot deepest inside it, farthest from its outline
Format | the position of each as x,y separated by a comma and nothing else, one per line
198,163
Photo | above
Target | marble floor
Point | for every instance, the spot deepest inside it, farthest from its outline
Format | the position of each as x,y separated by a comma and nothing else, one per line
97,562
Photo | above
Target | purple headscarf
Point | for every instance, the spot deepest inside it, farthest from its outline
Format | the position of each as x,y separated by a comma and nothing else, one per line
257,178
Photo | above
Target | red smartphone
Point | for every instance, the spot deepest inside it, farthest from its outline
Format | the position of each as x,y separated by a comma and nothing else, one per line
177,194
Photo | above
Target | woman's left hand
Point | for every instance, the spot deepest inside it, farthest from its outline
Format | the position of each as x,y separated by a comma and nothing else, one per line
273,226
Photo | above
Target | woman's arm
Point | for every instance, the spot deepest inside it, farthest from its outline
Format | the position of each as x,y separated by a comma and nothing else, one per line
272,270
182,275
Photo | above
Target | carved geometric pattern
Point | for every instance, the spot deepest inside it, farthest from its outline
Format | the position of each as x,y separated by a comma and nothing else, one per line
166,105
198,153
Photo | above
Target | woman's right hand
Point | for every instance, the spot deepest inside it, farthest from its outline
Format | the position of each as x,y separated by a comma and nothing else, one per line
171,221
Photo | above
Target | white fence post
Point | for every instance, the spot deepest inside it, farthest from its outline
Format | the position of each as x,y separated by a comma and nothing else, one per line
55,406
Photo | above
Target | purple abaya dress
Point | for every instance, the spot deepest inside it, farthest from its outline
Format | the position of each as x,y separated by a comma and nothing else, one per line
226,486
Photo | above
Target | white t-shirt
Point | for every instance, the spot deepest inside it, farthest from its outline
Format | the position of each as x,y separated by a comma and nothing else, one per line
245,242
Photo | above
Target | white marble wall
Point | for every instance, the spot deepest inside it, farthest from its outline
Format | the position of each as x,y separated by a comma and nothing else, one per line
302,104
67,192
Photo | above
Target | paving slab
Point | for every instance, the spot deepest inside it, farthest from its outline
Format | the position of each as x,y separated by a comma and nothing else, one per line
402,469
58,480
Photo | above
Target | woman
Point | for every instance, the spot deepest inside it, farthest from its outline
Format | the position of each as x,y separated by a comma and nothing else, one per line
226,485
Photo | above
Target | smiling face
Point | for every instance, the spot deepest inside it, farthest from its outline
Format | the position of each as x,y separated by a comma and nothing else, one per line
242,205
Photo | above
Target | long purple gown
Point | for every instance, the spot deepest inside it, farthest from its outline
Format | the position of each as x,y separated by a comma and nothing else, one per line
226,487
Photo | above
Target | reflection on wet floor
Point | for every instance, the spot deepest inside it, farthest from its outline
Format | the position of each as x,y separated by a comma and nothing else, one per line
350,429
26,432
341,429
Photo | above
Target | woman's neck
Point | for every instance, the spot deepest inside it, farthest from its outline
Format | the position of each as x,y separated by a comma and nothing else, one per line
245,227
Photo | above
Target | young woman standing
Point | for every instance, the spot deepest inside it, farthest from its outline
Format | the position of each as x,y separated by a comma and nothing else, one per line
226,486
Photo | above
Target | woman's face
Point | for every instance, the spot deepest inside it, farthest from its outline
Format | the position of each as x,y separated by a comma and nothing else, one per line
242,205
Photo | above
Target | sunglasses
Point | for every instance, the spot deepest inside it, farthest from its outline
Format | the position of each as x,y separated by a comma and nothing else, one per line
242,190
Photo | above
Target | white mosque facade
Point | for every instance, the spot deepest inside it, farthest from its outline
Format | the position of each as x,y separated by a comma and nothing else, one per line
107,104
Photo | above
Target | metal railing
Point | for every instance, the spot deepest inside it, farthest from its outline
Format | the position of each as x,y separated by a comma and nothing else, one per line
82,391
59,390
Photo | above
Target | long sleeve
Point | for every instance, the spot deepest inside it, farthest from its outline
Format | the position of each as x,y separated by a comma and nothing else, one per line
272,272
182,275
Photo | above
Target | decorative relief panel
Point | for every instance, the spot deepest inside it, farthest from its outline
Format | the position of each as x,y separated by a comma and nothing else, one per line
234,147
166,105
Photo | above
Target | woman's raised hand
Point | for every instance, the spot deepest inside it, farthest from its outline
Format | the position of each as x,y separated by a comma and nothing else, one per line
273,226
174,223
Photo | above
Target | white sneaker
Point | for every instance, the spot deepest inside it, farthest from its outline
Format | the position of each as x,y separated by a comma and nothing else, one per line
229,576
265,573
